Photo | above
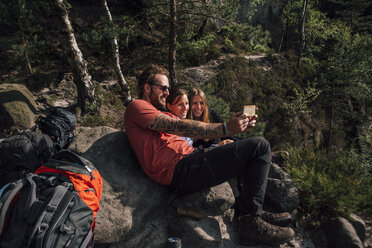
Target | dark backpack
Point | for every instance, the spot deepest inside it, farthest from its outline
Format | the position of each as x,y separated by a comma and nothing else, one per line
23,153
59,125
55,207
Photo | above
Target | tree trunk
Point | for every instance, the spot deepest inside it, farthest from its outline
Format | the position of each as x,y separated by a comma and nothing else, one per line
83,81
30,70
172,42
28,62
115,54
284,30
330,124
302,32
284,25
243,11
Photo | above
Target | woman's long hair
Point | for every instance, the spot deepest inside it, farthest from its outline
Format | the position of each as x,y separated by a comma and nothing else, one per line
205,115
175,94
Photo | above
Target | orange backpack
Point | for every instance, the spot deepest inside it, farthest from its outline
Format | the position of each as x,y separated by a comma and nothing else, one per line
81,172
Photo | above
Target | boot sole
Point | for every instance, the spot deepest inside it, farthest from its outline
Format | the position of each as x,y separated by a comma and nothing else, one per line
279,222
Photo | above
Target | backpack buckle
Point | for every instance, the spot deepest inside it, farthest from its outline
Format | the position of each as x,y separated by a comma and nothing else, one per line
43,227
52,181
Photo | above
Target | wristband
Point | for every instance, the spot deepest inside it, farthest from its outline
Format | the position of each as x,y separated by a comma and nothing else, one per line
225,131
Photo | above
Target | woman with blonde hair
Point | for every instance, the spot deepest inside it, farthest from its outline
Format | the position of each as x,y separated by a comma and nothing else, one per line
199,111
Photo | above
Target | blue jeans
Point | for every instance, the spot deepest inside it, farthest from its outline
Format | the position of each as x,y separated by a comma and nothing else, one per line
249,159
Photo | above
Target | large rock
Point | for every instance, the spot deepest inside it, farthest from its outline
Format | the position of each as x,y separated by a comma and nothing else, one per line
86,136
281,191
136,212
359,226
17,107
132,205
215,205
341,234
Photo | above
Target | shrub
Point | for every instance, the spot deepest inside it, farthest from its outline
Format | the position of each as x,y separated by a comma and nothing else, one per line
217,104
331,186
196,52
245,38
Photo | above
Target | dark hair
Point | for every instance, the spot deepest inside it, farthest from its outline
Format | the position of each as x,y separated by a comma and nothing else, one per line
175,93
148,75
198,92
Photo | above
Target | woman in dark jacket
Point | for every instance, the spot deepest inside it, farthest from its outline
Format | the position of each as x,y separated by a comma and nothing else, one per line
199,111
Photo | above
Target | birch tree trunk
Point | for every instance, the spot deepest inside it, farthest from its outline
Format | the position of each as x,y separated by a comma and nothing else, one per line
302,32
172,42
115,54
83,81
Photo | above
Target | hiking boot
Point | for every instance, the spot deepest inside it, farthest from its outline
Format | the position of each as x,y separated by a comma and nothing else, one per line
253,230
279,219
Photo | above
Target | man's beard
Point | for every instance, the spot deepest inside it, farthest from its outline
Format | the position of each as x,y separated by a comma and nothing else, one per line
155,100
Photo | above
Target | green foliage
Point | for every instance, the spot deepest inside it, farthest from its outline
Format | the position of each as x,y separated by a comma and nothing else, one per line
90,107
253,8
196,52
13,130
331,186
217,103
245,38
356,14
24,23
127,31
322,34
300,102
232,39
97,42
93,121
346,84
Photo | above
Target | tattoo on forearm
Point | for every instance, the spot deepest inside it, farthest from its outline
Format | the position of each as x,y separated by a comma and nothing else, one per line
188,128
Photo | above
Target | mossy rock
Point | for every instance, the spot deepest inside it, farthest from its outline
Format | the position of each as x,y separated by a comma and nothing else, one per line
17,107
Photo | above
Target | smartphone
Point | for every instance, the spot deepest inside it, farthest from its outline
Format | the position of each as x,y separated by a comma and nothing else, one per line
249,110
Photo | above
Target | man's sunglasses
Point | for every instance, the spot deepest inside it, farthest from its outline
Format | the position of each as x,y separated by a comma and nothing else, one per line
163,87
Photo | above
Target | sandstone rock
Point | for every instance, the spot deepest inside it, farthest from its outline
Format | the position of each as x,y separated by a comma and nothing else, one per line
359,226
216,200
341,234
135,211
281,191
203,233
132,206
278,157
17,107
86,136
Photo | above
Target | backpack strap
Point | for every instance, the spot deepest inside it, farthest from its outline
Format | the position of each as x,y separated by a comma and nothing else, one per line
87,242
4,205
47,215
3,189
25,187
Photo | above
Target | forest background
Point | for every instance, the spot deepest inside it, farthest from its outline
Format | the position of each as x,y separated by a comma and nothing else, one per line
314,101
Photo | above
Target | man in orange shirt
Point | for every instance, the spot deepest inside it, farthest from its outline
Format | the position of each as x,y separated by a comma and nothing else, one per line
168,159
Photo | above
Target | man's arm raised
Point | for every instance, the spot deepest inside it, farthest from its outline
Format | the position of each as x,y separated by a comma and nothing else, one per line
196,129
185,127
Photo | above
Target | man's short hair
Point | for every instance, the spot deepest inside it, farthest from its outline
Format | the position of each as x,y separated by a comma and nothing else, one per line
148,75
